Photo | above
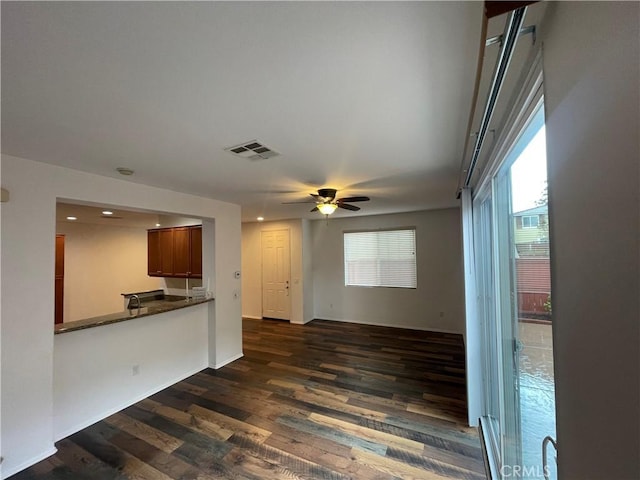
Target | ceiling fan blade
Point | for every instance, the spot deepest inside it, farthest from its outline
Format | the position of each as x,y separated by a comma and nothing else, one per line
353,199
301,201
314,209
346,206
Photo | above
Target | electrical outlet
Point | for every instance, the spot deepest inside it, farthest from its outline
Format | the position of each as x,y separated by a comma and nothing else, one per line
135,370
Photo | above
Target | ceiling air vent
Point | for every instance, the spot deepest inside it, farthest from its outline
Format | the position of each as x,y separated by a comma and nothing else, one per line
252,150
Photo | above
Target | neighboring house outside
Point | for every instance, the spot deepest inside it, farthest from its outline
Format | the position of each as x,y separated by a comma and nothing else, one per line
531,228
531,235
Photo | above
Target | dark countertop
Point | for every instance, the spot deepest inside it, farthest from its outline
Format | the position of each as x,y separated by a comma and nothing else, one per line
149,308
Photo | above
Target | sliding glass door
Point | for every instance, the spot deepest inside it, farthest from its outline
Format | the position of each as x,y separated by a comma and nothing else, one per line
494,271
513,280
507,322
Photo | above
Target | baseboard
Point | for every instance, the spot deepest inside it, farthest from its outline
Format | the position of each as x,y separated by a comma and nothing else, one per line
6,473
124,405
251,317
228,361
304,322
392,325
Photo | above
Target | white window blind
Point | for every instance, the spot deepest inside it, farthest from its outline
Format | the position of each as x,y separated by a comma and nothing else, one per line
383,258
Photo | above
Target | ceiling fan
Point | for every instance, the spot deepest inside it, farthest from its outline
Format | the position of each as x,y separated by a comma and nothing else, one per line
326,201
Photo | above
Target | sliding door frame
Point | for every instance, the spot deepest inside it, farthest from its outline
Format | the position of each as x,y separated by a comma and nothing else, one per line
523,108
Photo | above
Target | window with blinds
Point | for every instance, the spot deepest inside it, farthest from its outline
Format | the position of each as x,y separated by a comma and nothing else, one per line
382,258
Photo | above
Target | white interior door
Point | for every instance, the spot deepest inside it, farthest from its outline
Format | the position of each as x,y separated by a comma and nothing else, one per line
276,274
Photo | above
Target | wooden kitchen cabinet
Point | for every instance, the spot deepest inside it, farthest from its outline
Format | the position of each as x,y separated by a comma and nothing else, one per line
154,265
166,252
175,252
59,280
181,252
196,252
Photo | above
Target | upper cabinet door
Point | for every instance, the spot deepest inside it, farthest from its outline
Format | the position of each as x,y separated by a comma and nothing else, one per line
166,252
181,254
154,262
59,281
59,255
196,252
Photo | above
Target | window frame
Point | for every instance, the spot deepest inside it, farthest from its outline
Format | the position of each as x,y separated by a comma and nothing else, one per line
530,217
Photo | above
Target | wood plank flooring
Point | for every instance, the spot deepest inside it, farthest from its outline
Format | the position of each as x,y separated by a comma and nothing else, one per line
326,400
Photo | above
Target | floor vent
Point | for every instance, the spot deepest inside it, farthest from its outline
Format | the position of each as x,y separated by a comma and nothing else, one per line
253,150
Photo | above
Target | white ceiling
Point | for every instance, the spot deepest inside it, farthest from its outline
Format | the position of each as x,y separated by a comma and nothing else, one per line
371,98
93,215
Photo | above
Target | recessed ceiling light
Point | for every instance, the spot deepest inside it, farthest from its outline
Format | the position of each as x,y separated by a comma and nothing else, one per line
72,218
260,219
107,212
124,171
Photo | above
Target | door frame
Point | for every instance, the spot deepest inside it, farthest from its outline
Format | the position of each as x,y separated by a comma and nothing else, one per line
523,107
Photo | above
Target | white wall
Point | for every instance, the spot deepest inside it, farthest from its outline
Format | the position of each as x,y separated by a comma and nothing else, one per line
591,56
307,271
252,268
101,262
251,271
93,368
28,237
440,276
167,221
222,239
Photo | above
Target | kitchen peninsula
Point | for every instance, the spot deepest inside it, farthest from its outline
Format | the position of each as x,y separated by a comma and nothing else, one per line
149,305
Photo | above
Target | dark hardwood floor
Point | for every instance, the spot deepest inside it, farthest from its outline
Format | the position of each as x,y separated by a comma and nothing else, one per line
326,400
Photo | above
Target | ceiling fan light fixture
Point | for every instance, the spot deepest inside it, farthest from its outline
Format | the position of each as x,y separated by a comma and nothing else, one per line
327,208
